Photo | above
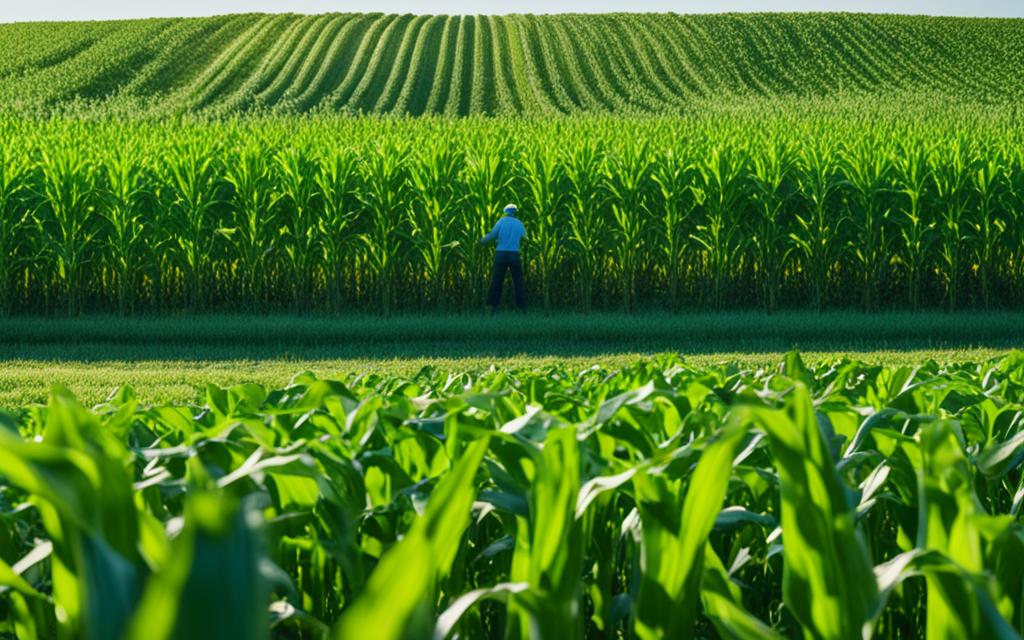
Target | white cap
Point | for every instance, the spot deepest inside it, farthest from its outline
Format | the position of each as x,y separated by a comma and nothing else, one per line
511,208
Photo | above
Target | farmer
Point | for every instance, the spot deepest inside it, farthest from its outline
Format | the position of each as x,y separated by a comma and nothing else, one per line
508,232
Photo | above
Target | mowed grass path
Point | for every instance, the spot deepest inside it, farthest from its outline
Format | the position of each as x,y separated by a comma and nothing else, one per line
173,359
27,382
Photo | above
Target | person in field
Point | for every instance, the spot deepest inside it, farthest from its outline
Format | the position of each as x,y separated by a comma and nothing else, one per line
507,233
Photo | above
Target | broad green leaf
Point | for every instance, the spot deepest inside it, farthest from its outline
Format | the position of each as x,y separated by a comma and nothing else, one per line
399,598
674,533
828,582
212,585
723,604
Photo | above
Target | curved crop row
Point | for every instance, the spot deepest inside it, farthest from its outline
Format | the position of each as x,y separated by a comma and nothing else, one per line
229,67
362,60
271,59
415,88
296,59
330,72
619,63
440,84
403,70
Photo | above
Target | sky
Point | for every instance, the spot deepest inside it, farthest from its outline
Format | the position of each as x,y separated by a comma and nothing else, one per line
21,10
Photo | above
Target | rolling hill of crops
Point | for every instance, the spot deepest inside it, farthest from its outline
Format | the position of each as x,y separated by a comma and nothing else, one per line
654,501
405,64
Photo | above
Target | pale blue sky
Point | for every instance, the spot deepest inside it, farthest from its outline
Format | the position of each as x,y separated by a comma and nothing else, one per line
18,10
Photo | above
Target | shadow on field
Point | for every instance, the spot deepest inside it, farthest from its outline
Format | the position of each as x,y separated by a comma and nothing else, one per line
223,337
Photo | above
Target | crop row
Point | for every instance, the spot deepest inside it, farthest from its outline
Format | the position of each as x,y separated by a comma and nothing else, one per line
463,65
655,501
729,210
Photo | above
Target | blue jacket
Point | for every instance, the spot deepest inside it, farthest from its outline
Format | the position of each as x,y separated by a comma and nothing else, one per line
508,232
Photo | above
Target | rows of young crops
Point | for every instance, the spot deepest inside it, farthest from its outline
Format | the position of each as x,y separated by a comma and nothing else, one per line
461,65
656,501
753,208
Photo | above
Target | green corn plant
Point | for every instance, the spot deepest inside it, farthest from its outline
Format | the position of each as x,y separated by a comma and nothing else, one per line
673,176
868,173
1012,194
949,173
985,226
544,178
818,226
15,221
213,582
338,183
951,522
722,601
68,225
253,224
297,195
627,181
434,176
416,564
78,476
385,198
916,231
721,190
548,554
677,515
125,197
586,220
769,180
828,583
601,510
190,194
114,571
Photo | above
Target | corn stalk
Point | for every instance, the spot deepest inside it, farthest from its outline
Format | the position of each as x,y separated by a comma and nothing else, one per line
129,237
69,226
818,226
916,232
720,189
869,174
586,218
627,181
772,191
15,222
338,183
673,176
385,200
544,177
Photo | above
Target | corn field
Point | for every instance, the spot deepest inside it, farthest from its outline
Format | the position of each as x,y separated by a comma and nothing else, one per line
498,65
844,205
846,501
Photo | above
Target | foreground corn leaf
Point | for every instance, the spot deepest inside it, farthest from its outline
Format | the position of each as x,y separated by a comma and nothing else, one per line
978,615
828,581
77,472
549,550
958,606
658,500
675,526
398,600
212,585
722,601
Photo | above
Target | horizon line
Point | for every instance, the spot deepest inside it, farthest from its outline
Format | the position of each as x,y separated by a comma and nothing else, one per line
4,21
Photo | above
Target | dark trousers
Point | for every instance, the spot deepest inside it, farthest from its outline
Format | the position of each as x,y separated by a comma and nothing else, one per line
506,261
